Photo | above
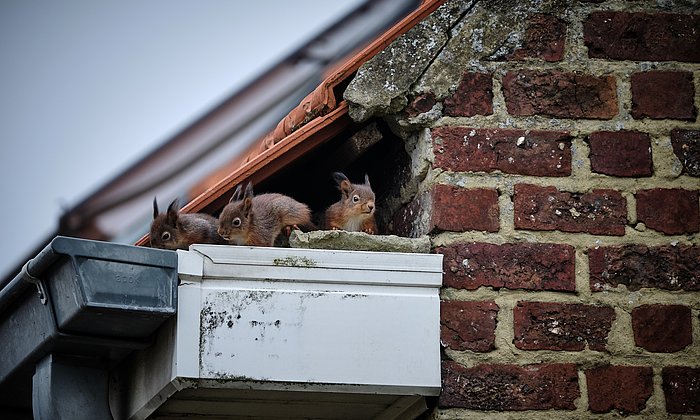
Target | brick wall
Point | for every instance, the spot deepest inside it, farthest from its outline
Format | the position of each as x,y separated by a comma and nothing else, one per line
560,181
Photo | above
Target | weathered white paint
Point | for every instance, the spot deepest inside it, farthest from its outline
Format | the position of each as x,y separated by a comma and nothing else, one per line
297,320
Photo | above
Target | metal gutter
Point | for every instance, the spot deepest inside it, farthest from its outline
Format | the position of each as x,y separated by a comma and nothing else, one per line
96,303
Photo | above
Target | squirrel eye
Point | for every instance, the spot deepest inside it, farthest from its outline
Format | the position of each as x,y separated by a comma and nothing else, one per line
355,198
236,222
165,236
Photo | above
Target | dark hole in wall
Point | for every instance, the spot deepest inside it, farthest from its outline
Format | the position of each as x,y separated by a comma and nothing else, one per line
308,179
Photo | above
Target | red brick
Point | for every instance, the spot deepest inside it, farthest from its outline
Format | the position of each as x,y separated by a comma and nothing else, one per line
620,153
530,266
509,387
599,212
420,104
662,328
663,94
681,386
560,94
642,36
672,211
536,153
448,208
409,220
460,209
686,146
474,96
638,266
561,326
468,325
623,388
544,38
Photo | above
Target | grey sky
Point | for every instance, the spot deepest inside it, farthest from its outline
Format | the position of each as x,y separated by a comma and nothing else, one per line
87,87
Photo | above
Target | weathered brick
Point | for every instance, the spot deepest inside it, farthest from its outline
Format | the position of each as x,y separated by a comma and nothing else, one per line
509,387
461,209
686,146
599,212
420,104
537,152
468,325
663,94
662,328
623,388
681,386
620,153
642,36
560,94
673,211
637,266
448,208
561,326
544,38
413,219
530,266
474,96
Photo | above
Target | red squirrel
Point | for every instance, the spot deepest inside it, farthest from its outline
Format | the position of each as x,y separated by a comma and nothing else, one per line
172,230
258,220
355,210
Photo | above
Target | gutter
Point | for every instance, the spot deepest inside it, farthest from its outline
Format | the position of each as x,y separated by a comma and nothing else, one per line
96,303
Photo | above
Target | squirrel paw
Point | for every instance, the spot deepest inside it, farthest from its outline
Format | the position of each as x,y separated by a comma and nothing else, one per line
369,231
288,230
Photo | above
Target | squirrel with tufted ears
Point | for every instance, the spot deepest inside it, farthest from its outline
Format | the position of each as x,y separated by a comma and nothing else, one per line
258,220
172,230
355,210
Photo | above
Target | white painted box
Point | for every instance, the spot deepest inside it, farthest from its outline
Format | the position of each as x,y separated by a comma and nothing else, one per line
306,320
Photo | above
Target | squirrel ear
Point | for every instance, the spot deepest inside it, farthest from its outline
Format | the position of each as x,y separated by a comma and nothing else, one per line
248,191
172,212
236,194
247,206
339,177
248,200
343,182
367,181
155,208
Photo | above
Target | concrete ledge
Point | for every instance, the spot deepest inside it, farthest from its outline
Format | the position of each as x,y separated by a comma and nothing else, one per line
358,241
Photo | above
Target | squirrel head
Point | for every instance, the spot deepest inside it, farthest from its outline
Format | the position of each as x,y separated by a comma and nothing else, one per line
358,199
165,228
236,218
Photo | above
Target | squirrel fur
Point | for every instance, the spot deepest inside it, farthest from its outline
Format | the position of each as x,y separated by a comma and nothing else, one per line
258,220
355,210
172,230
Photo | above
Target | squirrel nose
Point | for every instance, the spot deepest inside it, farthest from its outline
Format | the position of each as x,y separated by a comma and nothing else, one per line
370,206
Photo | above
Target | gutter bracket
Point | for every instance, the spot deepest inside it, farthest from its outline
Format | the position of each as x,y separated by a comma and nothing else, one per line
39,283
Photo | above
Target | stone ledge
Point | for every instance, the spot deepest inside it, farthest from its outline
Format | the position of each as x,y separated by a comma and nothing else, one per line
358,241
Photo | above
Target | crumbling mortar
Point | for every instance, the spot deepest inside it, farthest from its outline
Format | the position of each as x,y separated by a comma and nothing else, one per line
582,401
580,163
582,273
657,400
631,209
577,127
506,219
583,183
580,241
